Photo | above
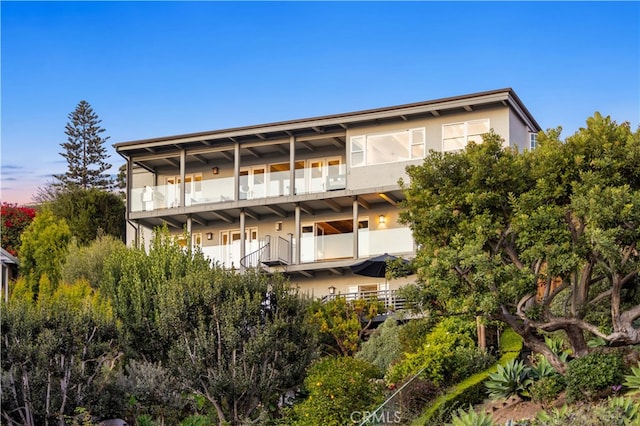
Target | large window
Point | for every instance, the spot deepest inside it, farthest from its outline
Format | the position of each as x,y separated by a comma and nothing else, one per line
389,147
456,136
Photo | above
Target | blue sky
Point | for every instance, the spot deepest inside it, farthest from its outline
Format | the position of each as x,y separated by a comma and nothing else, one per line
153,69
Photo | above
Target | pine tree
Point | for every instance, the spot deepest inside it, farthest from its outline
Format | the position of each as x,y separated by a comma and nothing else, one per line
85,152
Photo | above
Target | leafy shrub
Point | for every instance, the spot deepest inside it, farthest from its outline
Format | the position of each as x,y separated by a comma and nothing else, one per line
512,379
338,387
468,361
87,262
412,335
592,374
434,361
632,381
151,391
383,347
471,418
615,411
547,388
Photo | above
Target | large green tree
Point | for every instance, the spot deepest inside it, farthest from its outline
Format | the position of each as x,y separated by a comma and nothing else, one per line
84,151
44,248
239,341
90,213
543,240
57,350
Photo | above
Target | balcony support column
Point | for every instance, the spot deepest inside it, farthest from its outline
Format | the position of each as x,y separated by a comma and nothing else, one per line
190,240
296,235
183,162
236,171
243,238
355,228
292,165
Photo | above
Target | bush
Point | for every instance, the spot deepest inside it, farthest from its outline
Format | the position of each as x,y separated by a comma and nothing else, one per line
338,387
512,379
434,361
471,390
547,389
466,362
615,411
383,347
413,334
592,375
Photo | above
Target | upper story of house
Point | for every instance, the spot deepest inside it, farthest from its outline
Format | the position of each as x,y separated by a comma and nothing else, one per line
317,163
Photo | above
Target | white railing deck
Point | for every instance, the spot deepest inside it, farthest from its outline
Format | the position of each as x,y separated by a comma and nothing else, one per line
390,298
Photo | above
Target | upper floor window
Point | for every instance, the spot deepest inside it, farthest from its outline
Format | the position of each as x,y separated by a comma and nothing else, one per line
388,147
533,140
455,136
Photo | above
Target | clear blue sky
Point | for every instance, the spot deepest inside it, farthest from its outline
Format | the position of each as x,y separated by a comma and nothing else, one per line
153,69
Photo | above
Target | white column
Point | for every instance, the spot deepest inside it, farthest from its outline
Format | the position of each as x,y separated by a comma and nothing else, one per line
297,233
355,228
292,166
183,161
243,238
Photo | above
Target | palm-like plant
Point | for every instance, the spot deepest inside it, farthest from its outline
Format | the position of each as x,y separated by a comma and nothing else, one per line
632,381
512,379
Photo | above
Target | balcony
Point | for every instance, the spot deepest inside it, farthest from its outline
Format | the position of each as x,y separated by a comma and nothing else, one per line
254,184
271,251
389,298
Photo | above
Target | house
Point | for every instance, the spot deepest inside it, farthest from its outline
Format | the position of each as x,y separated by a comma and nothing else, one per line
307,197
10,266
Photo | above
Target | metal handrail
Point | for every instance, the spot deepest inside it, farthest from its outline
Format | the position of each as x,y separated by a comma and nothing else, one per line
256,256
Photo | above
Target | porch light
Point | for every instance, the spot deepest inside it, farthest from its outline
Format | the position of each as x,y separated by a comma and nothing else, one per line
209,236
332,290
215,170
382,219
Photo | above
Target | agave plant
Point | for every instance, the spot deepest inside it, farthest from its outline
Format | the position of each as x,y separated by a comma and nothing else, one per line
512,379
632,381
627,408
470,418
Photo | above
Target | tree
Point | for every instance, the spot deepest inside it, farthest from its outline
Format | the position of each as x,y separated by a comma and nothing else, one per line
84,151
238,340
44,248
15,220
540,240
342,390
90,213
342,323
57,352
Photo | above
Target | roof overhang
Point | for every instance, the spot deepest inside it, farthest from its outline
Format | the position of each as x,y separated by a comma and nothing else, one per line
324,127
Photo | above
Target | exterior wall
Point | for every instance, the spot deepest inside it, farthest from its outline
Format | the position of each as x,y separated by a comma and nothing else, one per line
518,133
388,174
318,285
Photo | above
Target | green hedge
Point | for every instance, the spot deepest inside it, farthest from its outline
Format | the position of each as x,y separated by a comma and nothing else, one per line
471,390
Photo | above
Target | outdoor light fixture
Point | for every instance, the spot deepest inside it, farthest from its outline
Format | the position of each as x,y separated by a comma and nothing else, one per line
382,219
209,236
332,290
215,170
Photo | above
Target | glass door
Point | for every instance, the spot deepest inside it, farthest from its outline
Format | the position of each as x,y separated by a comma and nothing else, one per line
252,182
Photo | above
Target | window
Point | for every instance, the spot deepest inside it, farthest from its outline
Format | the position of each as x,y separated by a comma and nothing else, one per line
456,136
390,147
533,140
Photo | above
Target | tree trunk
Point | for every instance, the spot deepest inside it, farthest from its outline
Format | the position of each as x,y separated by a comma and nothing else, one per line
577,341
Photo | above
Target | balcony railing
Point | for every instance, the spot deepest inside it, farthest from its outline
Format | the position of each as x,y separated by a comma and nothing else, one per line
389,298
251,186
370,243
